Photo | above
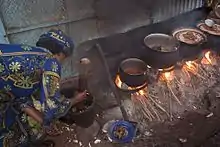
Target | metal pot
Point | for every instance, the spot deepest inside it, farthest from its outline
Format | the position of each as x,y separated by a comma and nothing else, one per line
162,49
132,71
83,118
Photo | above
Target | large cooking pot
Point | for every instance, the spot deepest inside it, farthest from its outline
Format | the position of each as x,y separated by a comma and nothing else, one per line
162,49
132,71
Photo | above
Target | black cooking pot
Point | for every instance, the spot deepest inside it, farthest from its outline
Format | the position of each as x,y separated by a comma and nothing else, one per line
162,50
81,116
132,72
84,114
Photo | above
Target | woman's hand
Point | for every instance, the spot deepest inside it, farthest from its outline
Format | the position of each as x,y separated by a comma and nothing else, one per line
79,97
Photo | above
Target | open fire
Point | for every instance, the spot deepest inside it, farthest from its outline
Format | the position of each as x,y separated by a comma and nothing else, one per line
174,88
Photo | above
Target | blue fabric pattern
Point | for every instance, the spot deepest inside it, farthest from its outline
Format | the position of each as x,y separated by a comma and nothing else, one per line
29,77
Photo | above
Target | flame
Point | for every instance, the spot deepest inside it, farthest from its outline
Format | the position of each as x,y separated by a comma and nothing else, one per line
141,92
167,76
191,66
118,81
208,59
119,84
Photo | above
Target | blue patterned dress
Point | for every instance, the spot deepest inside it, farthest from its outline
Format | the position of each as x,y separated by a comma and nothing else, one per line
29,77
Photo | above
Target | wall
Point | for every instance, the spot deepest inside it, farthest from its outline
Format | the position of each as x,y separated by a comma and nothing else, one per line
24,20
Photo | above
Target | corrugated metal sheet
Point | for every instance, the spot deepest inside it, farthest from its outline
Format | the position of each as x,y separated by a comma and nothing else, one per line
170,8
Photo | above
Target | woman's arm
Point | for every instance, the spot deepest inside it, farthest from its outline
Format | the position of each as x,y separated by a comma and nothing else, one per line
33,113
54,104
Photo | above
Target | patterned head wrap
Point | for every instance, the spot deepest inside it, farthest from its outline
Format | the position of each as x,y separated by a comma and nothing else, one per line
61,39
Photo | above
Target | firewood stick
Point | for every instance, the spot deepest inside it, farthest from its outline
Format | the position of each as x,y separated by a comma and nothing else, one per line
146,115
203,70
146,109
199,75
170,107
169,115
186,73
154,96
140,108
146,112
158,105
177,80
173,94
153,110
147,102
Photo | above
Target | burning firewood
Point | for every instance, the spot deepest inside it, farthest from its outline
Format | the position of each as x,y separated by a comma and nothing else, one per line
175,90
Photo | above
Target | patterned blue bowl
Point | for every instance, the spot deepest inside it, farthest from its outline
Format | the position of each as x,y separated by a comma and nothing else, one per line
129,130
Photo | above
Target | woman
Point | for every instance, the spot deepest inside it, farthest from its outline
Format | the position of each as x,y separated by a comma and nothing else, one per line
29,86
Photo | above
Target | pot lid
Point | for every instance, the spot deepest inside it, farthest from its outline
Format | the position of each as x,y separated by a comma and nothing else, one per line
214,30
161,42
189,36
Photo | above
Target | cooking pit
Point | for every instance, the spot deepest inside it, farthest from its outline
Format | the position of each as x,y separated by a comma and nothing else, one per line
174,90
175,102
